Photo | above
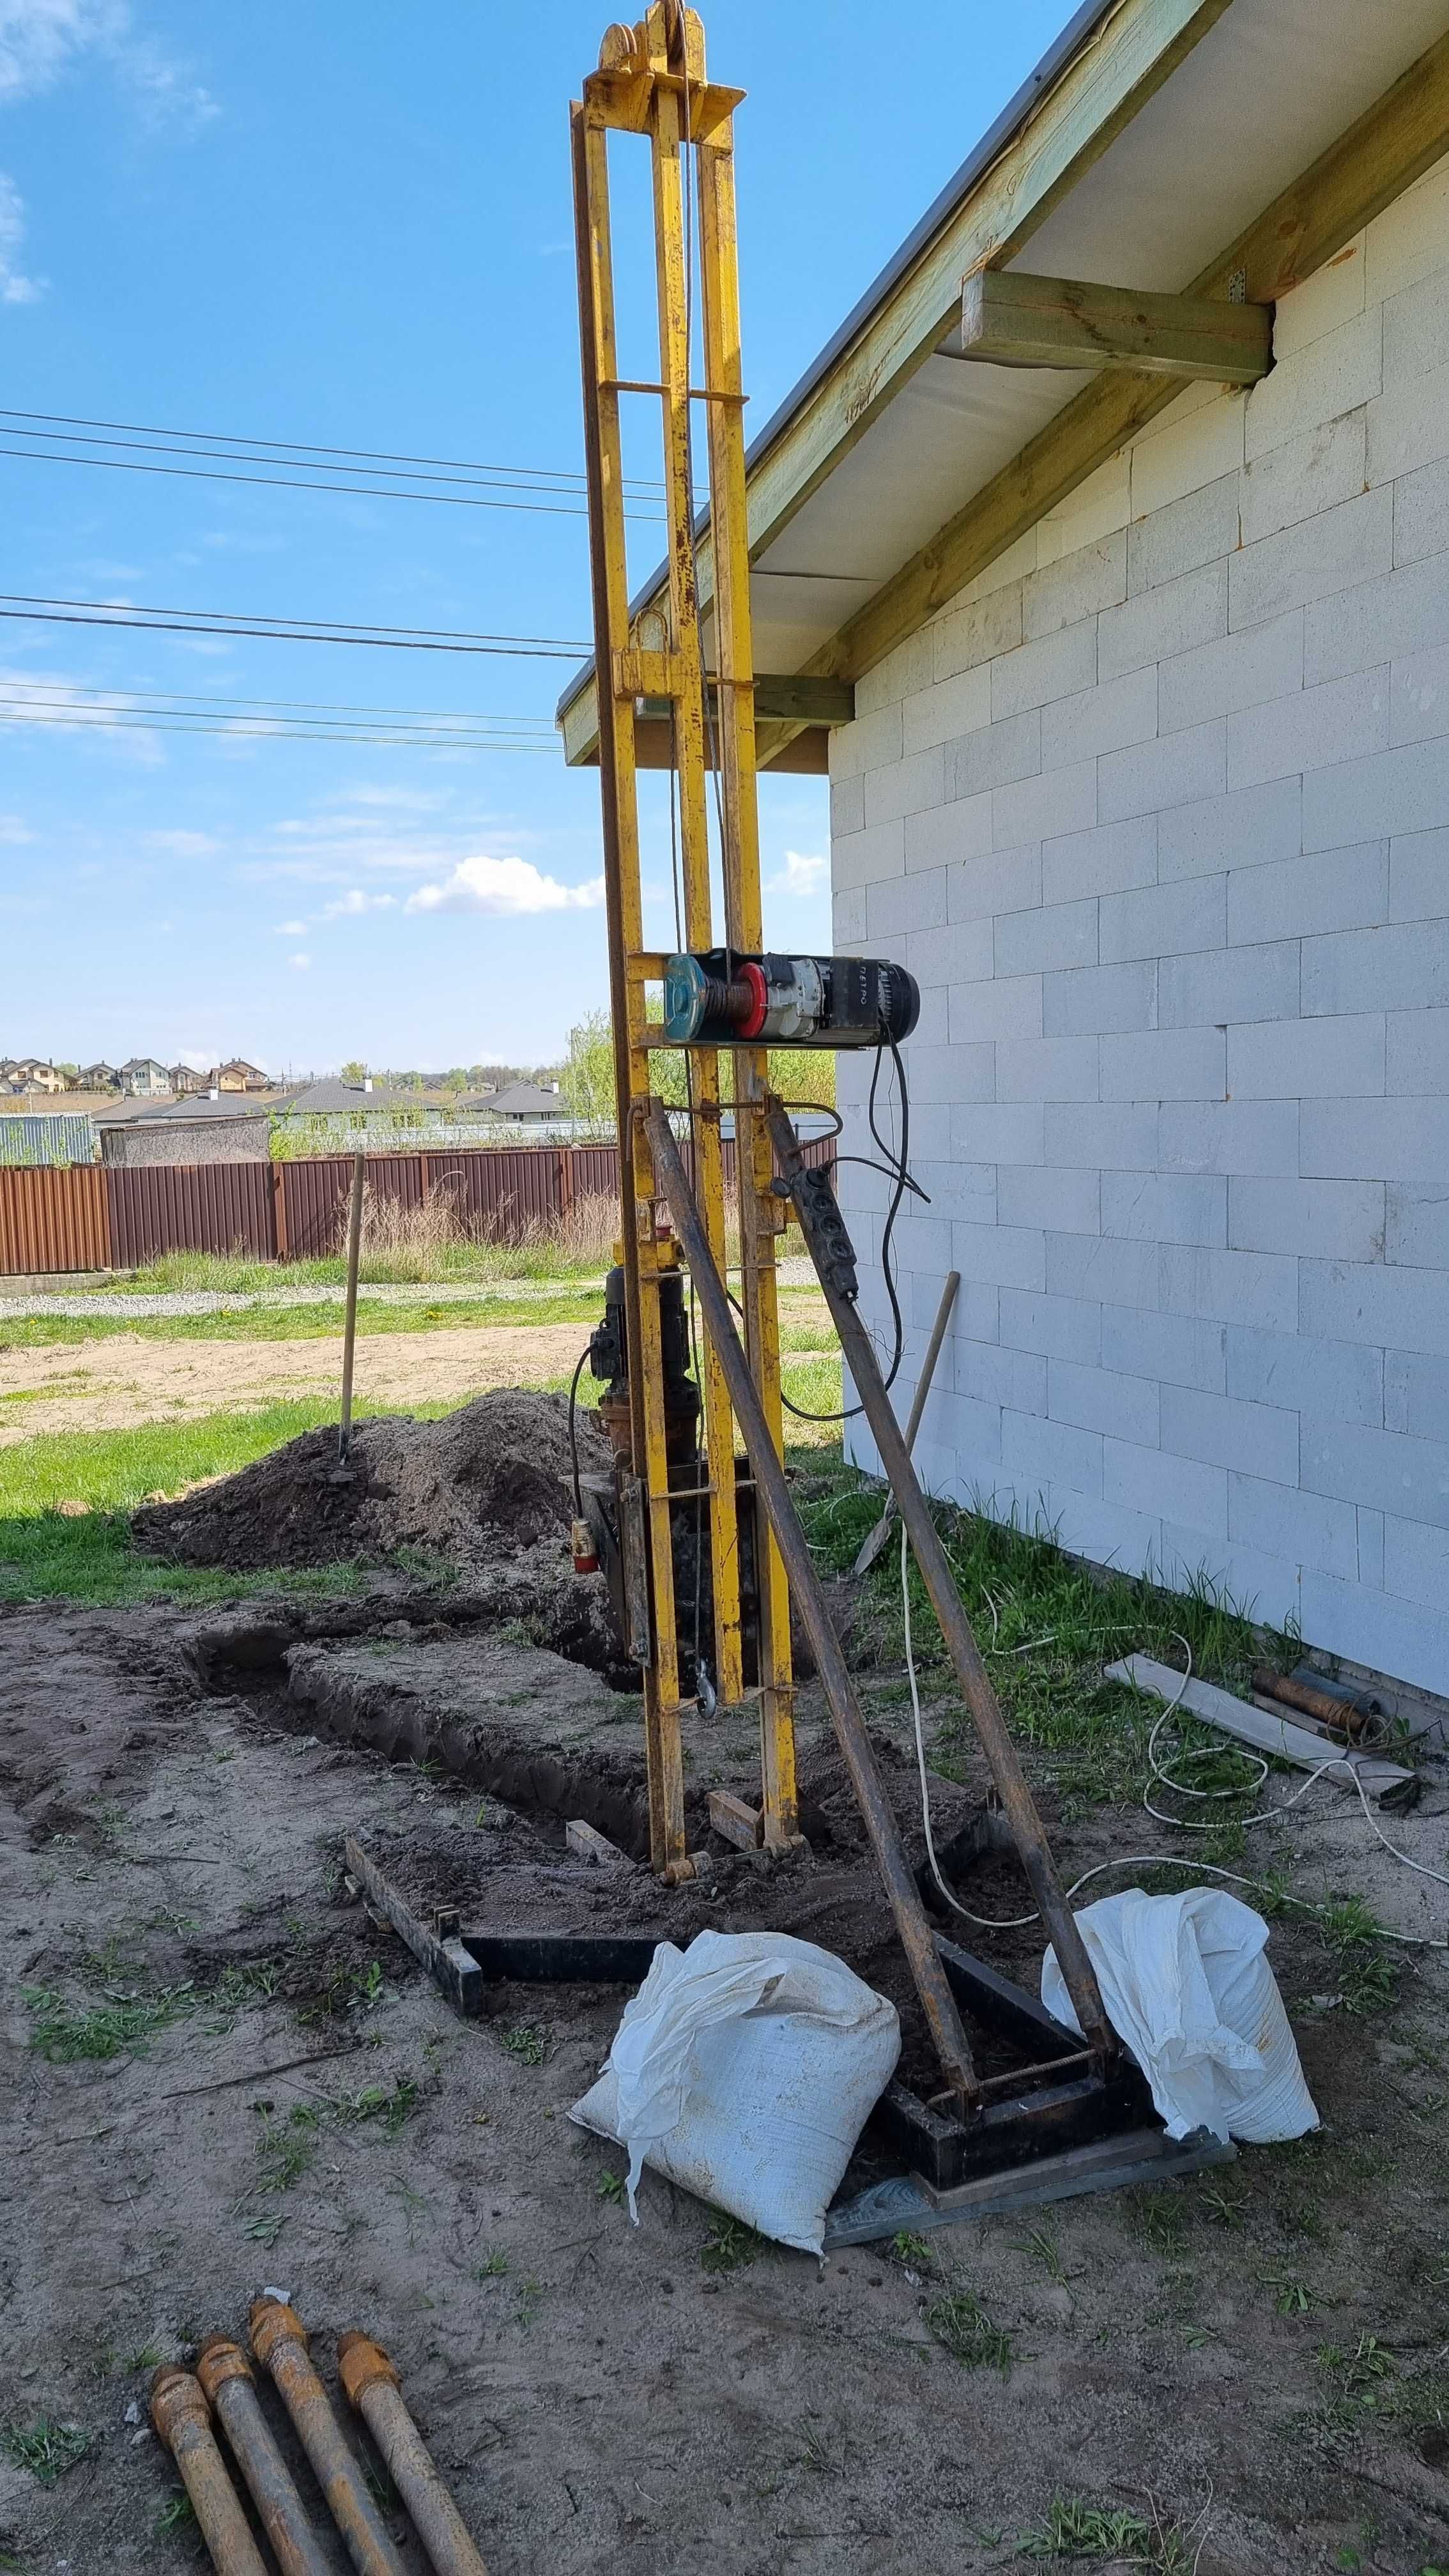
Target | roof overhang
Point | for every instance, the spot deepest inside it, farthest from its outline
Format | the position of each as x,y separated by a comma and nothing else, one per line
1204,149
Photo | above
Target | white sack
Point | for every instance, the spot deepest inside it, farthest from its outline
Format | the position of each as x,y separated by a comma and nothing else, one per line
745,2069
1187,1988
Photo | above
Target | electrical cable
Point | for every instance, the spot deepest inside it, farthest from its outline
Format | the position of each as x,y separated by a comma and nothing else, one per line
574,1427
896,1171
280,628
395,739
297,483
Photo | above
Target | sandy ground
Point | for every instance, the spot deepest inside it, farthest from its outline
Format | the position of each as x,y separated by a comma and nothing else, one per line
601,2400
124,1381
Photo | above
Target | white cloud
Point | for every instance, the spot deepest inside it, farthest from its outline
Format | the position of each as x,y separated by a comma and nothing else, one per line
356,901
15,286
291,930
801,876
40,38
182,845
13,832
299,961
506,888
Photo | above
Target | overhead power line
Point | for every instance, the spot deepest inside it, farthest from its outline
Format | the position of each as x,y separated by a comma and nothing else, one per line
294,719
18,712
28,608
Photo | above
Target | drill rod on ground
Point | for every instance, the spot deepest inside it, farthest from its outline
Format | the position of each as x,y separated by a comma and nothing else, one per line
971,1674
182,2417
226,2376
917,1938
279,2340
371,2381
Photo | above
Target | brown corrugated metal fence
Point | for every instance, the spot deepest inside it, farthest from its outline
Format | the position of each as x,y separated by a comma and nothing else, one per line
93,1218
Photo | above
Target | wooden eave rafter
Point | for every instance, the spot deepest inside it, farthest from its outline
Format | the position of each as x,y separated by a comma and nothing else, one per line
1012,318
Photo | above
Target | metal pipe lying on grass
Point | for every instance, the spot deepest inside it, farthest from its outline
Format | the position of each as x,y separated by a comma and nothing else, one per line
371,2381
279,2340
182,2418
226,2377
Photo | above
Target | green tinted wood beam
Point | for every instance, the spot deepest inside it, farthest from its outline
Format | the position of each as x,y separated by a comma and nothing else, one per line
1021,321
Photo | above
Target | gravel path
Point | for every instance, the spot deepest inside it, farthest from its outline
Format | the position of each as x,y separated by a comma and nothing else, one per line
217,1301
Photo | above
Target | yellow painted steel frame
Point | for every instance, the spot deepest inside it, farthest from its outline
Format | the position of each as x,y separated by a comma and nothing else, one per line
651,81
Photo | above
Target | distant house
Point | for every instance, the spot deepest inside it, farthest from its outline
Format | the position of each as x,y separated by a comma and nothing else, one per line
100,1077
525,1101
142,1078
34,1073
238,1075
187,1083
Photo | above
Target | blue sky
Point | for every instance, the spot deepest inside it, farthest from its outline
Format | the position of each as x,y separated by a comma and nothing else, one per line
350,225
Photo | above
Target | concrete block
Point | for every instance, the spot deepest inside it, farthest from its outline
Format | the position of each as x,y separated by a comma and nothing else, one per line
1093,510
998,1131
974,1315
955,952
1416,1394
1087,1000
889,682
1400,966
977,630
1371,1549
1342,1380
1376,620
1249,829
1313,1529
1388,1470
1109,859
974,1432
1119,1139
1046,1068
1056,666
1247,669
910,786
1055,935
947,709
1010,1006
1315,472
1255,1439
1372,1140
1418,876
1419,696
955,1189
1417,1230
868,856
1393,1309
954,1073
1262,1586
1372,1628
1393,791
1165,1064
1165,921
1181,769
1230,1287
1315,384
847,913
1406,241
1037,1451
1332,1220
949,836
1182,1490
1308,1060
897,905
1313,560
1050,1195
1197,442
872,742
1407,426
1416,1562
1324,301
1198,529
922,1242
1165,1207
1105,1533
1229,1136
1038,809
991,1373
1092,578
1114,1272
1227,984
1291,898
997,753
1097,1399
1177,1350
1108,718
931,1027
1066,1328
1004,1256
1421,512
1418,1063
847,806
1342,720
1002,881
1162,623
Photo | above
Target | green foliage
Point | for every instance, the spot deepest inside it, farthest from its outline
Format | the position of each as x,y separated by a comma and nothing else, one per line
527,2040
961,2325
45,2448
1074,2528
730,2245
176,2515
64,2032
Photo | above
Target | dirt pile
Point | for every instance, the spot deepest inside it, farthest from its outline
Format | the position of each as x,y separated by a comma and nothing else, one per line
493,1477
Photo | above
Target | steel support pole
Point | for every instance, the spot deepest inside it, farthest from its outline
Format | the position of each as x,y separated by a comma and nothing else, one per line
917,1939
349,1321
940,1583
877,1538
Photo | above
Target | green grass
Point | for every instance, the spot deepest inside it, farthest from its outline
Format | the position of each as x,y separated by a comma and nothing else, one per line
730,2245
302,1323
1074,2528
64,2032
46,2449
962,2327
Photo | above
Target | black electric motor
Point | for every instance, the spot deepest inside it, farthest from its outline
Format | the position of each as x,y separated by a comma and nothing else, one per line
720,998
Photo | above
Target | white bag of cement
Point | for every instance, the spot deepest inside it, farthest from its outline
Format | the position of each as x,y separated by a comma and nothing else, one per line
745,2069
1187,1988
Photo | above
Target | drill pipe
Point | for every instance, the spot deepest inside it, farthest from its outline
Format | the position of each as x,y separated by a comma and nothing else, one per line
371,2381
279,2340
226,2376
182,2418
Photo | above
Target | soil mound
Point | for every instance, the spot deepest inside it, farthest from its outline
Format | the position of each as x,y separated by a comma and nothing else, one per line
493,1477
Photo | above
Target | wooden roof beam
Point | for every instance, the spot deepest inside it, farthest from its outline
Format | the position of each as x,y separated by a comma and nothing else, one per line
1016,320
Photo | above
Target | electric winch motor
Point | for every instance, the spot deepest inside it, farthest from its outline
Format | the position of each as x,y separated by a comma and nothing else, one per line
717,997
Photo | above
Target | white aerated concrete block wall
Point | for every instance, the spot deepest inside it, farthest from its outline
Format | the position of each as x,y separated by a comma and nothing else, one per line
1158,814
